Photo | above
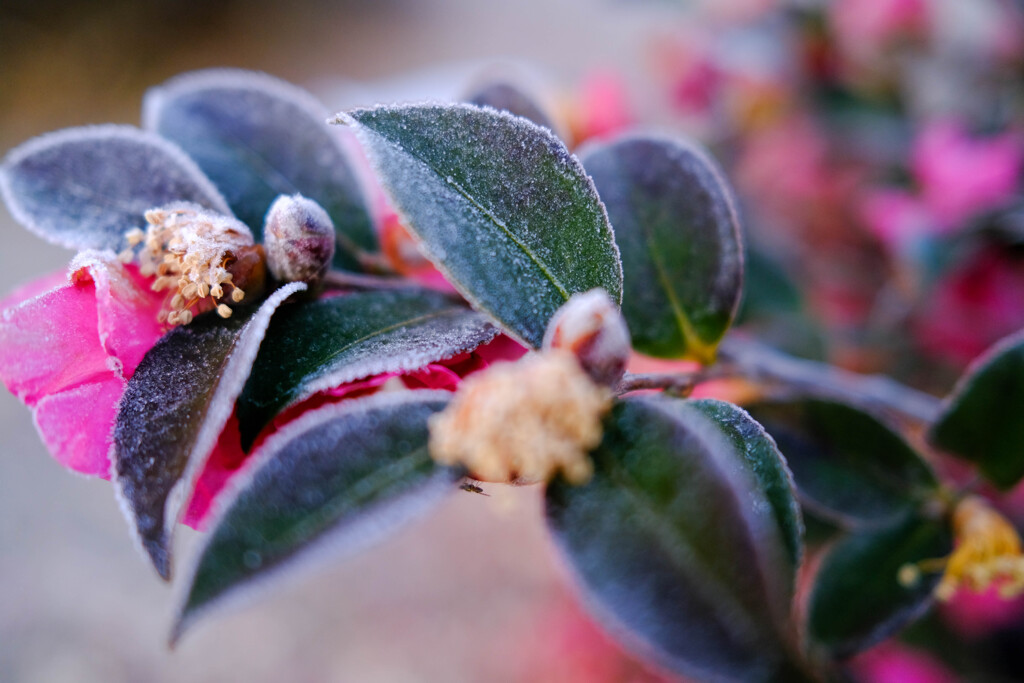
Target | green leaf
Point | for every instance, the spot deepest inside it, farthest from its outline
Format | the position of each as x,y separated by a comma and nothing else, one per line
501,207
762,459
504,96
84,188
849,467
258,137
330,342
677,228
330,483
676,545
172,411
981,420
857,599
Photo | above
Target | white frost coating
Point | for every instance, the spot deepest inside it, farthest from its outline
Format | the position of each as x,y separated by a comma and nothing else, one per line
438,347
373,524
236,372
370,141
97,134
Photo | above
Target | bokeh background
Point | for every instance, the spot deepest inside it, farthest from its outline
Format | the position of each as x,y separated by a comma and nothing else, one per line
877,148
466,595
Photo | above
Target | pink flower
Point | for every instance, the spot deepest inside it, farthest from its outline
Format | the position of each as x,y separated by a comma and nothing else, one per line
961,176
892,663
973,307
602,107
896,217
76,345
865,27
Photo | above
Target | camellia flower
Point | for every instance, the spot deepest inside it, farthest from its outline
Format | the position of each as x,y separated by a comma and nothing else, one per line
170,245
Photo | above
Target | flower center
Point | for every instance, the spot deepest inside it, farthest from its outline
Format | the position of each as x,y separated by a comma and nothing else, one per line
988,553
524,421
204,259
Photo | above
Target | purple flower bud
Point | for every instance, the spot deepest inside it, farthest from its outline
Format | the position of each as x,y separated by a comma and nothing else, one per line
299,238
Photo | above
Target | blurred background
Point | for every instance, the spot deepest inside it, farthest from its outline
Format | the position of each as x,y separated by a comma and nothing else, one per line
877,148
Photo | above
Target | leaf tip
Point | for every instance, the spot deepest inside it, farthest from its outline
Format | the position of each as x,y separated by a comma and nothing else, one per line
159,554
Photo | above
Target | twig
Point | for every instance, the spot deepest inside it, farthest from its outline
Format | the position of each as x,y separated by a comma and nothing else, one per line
873,392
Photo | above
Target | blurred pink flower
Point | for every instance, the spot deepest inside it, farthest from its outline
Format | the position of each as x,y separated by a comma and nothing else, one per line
865,27
976,615
893,663
602,106
960,175
974,306
895,217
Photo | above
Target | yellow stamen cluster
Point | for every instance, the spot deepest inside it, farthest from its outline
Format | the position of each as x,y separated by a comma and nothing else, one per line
987,553
192,253
524,421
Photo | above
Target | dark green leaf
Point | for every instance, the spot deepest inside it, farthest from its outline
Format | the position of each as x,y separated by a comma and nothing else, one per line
257,138
330,483
84,188
857,599
682,257
676,545
330,342
504,96
762,459
981,420
173,410
500,205
849,467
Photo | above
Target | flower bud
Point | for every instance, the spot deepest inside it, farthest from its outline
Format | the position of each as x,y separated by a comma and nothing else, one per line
299,239
591,326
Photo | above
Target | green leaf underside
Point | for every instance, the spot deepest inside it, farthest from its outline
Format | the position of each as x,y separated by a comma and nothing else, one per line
333,482
679,235
500,205
84,188
762,459
257,138
173,408
333,341
675,546
849,467
507,97
857,600
981,421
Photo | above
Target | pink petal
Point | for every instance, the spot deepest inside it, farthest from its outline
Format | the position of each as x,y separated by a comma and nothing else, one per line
66,352
226,459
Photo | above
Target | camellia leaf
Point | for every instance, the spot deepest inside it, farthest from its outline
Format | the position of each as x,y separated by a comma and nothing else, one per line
258,137
849,467
762,459
332,482
504,96
857,599
174,408
330,342
501,207
677,546
981,419
84,188
676,224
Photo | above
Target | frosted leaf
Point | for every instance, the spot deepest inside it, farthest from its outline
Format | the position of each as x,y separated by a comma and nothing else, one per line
330,483
330,342
501,207
173,409
83,188
677,228
258,137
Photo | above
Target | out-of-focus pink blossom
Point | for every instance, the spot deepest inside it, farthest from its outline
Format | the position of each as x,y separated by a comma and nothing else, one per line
976,615
866,27
896,217
960,175
892,663
973,307
602,106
